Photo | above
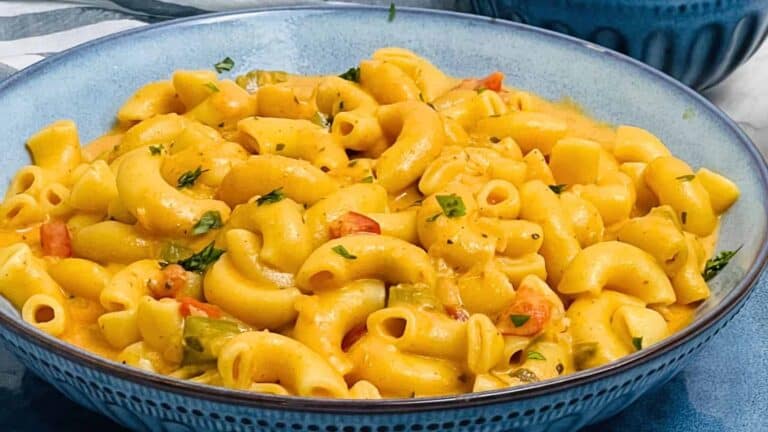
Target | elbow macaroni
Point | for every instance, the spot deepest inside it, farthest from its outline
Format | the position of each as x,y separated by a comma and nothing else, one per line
390,232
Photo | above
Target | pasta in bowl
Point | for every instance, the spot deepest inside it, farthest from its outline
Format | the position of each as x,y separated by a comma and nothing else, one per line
391,232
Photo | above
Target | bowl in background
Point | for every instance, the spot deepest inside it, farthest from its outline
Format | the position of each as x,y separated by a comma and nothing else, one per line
699,42
90,83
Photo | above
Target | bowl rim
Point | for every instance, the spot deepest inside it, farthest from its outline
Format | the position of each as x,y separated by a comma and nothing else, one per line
384,406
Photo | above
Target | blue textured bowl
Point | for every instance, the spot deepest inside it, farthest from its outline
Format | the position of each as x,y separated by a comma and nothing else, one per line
699,42
89,83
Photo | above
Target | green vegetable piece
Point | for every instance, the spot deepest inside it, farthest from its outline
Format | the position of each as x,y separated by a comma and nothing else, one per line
558,188
535,355
716,264
200,261
225,65
271,198
155,150
189,178
452,205
352,74
637,342
519,320
524,375
212,87
341,250
417,294
392,12
210,220
203,338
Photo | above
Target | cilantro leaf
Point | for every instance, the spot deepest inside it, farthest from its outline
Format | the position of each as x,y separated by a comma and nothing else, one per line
225,65
452,205
271,198
716,264
155,150
212,87
208,221
352,74
558,188
535,355
519,320
189,178
392,12
367,179
200,261
637,342
341,250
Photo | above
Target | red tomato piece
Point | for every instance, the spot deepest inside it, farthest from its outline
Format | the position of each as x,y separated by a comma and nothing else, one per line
190,306
172,281
55,240
352,223
493,81
526,316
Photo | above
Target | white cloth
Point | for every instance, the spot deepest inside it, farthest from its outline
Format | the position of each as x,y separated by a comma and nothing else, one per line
32,30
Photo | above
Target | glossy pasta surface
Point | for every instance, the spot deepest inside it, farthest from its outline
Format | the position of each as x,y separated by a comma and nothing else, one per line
390,232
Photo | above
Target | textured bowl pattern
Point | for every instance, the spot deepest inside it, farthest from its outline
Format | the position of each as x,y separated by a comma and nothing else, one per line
699,42
147,408
92,81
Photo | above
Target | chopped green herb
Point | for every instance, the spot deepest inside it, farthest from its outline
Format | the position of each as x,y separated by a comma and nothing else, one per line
558,188
210,220
200,261
637,342
225,65
452,205
341,250
714,265
189,178
524,375
280,147
212,87
434,217
321,120
155,150
519,320
392,12
535,355
352,163
352,74
686,178
368,179
684,217
271,198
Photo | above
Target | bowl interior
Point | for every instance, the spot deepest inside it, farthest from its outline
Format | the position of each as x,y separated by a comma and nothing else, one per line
89,84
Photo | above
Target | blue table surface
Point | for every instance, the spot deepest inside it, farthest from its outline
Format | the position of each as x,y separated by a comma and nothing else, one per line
724,388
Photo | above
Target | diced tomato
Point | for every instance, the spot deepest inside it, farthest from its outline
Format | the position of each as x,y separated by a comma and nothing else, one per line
353,336
55,240
457,312
190,306
172,281
526,316
351,223
493,81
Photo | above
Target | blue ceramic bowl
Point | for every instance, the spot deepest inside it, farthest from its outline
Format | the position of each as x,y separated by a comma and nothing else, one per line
699,42
89,83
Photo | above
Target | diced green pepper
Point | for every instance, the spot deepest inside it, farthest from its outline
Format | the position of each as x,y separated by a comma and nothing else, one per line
203,338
